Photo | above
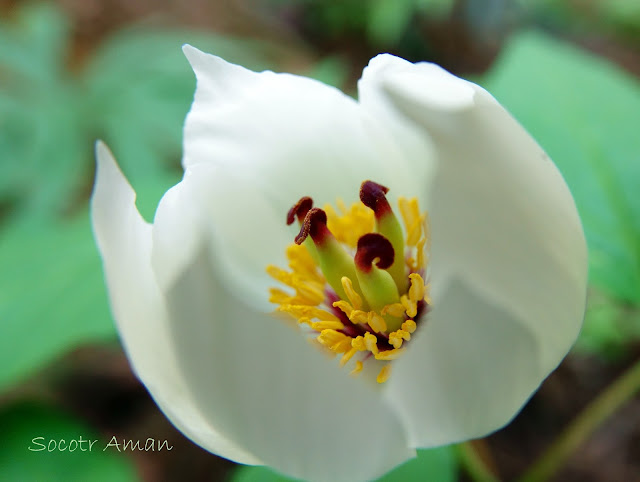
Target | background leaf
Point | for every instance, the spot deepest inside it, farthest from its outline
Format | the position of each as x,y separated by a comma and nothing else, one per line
590,130
437,465
21,423
52,295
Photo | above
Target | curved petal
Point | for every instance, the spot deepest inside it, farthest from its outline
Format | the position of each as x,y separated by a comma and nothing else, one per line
266,140
467,373
257,379
124,240
502,218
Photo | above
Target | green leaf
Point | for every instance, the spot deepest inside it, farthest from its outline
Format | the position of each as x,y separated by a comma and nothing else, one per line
41,138
52,295
332,70
258,473
23,423
585,112
439,465
608,327
34,42
388,20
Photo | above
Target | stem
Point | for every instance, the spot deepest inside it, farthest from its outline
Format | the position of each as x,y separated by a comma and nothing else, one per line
596,412
474,464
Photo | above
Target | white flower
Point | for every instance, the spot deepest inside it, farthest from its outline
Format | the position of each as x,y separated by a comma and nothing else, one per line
190,293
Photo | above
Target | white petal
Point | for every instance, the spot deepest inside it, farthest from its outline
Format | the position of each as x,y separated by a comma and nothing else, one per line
468,371
502,218
427,85
124,240
258,380
257,142
291,136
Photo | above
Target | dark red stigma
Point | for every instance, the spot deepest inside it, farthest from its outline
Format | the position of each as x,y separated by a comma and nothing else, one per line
314,225
373,195
299,210
370,247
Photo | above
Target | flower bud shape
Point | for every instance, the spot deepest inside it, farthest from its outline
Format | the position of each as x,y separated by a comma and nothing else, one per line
228,322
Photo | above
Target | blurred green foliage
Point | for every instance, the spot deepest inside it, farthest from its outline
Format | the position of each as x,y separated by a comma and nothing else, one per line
22,423
440,464
382,22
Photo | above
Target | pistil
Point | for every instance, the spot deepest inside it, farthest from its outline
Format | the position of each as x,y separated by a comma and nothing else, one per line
334,261
299,211
374,255
373,195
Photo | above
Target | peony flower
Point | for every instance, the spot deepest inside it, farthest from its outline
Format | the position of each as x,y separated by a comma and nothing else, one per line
424,315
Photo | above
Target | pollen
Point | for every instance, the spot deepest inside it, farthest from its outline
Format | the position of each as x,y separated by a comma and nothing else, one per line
357,280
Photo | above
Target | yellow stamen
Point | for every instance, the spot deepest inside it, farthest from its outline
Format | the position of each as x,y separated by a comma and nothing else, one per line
357,369
384,374
409,326
395,309
427,295
354,298
358,343
301,262
276,295
371,342
280,274
359,317
397,337
346,308
335,341
376,322
421,261
410,212
389,354
417,291
308,293
415,232
327,325
299,311
347,356
352,223
410,306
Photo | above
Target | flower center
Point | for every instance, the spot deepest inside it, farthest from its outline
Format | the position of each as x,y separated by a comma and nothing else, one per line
358,277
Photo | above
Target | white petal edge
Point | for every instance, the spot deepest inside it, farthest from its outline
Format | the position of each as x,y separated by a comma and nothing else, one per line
503,222
257,379
427,85
124,241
